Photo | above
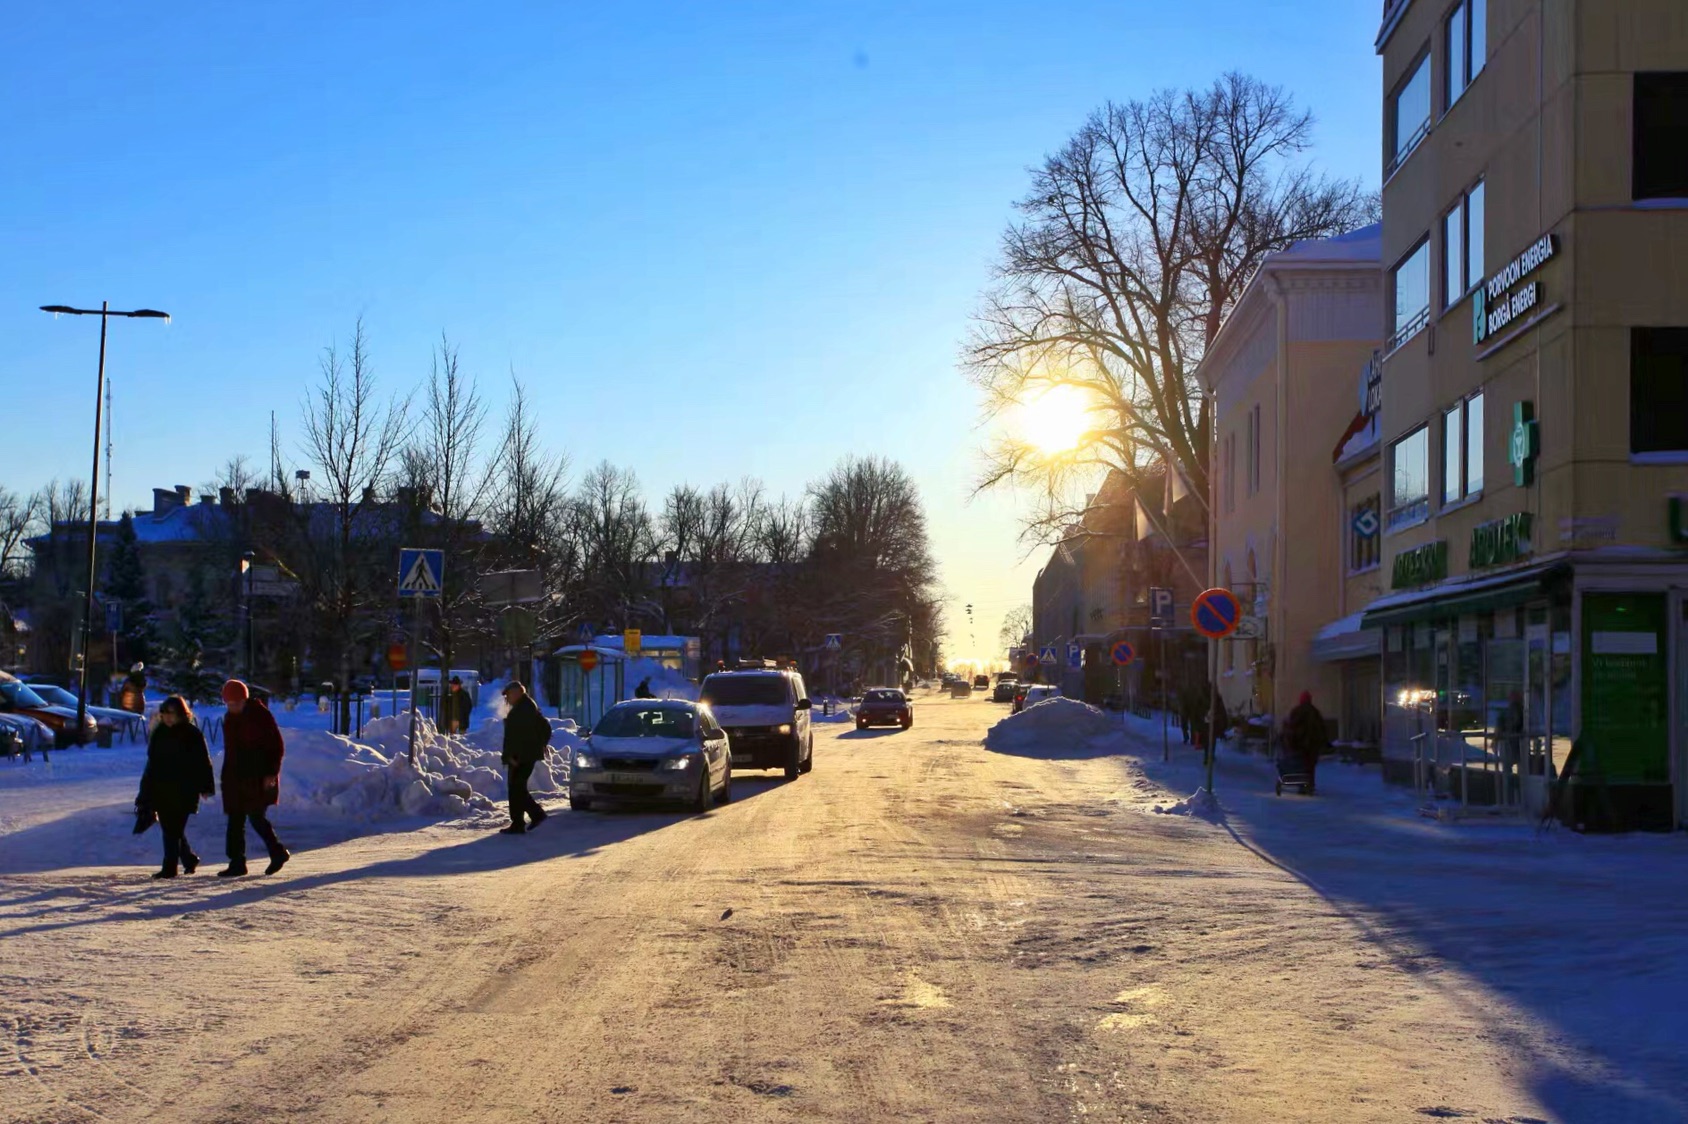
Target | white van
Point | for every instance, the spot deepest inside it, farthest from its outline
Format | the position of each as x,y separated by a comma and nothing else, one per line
766,716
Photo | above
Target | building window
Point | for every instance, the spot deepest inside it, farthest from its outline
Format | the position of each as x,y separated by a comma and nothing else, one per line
1658,390
1410,283
1468,45
1462,450
1409,113
1661,136
1462,247
1254,450
1230,472
1365,534
1409,460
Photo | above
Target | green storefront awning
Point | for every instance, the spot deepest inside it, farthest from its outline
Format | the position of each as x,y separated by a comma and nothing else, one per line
1466,594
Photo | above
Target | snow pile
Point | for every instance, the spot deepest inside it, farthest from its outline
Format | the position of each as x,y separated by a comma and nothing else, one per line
1057,723
371,778
840,709
1200,803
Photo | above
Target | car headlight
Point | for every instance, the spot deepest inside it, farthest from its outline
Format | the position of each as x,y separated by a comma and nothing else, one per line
684,762
585,761
782,729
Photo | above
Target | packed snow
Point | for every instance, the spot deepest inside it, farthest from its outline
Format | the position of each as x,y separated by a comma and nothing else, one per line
1055,725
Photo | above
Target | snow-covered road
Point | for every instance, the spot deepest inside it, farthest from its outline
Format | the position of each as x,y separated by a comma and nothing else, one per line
922,929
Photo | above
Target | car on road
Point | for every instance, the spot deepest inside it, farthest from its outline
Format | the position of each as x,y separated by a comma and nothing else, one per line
1006,688
17,697
653,749
884,706
1033,693
981,682
765,712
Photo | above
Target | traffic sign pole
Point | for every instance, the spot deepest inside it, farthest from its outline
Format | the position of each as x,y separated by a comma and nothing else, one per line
1166,742
410,659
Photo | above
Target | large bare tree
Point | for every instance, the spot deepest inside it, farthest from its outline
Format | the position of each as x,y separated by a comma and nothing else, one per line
1133,244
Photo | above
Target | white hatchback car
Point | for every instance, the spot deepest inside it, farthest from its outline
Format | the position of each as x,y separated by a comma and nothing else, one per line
653,749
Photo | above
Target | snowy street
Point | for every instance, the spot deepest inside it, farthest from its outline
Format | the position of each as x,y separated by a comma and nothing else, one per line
925,928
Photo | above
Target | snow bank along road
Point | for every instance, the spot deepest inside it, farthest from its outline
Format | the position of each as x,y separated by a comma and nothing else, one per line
921,930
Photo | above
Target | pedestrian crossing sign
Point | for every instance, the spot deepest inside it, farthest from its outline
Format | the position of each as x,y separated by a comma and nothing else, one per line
421,572
834,641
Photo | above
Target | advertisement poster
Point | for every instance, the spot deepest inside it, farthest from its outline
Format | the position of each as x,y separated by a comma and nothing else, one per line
1625,700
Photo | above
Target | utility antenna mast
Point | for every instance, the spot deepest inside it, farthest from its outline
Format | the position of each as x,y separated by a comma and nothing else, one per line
107,496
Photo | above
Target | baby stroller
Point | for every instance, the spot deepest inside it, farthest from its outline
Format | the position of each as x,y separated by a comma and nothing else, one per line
1292,770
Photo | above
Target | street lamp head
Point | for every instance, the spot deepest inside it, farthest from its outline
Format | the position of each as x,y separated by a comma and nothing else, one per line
58,309
150,314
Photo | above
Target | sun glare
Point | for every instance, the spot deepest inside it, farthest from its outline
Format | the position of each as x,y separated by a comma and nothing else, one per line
1055,420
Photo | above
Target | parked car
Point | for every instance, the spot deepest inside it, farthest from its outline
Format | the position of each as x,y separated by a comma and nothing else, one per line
1033,693
653,749
765,712
108,717
19,733
1006,688
17,697
884,706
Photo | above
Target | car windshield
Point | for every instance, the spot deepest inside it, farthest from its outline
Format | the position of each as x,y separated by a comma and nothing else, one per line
883,696
745,690
16,694
646,722
53,696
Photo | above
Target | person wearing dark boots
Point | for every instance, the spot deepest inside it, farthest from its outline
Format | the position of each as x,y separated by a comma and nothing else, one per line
526,737
459,704
178,773
252,752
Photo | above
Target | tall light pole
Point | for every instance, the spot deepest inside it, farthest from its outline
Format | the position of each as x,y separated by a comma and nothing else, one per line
104,312
247,561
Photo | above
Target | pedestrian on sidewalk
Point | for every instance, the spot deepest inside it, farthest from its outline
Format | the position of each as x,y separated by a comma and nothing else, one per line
1305,737
643,690
177,774
527,735
458,706
252,752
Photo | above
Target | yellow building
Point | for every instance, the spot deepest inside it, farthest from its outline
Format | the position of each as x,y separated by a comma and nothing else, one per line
1284,373
1535,399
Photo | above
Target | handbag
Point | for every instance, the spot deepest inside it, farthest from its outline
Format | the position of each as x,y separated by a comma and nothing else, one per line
145,817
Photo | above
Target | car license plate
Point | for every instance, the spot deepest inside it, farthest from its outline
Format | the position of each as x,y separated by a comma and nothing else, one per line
631,778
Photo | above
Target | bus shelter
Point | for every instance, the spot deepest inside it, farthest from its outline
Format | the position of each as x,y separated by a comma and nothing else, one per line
581,694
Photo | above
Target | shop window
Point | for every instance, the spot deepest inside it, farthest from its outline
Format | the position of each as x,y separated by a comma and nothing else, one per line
1661,136
1658,390
1409,284
1409,460
1365,534
1462,450
1462,246
1409,113
1467,39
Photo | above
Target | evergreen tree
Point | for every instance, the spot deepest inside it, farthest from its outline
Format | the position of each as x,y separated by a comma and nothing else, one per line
125,583
200,637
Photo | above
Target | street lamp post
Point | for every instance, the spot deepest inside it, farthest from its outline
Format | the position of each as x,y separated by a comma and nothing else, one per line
246,565
104,312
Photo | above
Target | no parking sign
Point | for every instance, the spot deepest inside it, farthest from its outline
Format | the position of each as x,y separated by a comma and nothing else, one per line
1123,654
1215,613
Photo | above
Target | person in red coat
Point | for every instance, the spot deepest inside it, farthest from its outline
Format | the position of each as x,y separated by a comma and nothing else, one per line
251,781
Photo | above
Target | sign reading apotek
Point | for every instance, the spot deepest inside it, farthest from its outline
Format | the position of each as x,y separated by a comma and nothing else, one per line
1502,541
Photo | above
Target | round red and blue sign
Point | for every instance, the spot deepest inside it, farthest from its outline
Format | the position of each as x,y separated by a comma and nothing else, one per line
1123,654
1215,613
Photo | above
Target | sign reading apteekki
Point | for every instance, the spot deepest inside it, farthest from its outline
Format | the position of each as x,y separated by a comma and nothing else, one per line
1499,300
1420,566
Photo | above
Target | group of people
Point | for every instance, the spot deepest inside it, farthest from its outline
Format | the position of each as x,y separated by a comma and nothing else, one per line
178,773
1305,737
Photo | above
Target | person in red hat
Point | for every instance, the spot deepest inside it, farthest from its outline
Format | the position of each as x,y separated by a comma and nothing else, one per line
252,752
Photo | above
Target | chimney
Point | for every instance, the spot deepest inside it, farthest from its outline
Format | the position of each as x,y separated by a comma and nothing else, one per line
225,496
369,493
184,495
163,500
207,498
251,494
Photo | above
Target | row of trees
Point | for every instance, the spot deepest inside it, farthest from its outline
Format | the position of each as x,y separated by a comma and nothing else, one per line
730,563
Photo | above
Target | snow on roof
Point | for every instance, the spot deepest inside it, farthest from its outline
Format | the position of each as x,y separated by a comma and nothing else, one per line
1362,245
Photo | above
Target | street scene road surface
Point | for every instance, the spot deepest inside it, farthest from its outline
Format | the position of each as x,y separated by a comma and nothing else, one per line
923,928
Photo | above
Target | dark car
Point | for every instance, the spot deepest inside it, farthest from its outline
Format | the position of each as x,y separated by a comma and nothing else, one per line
1006,687
108,717
19,698
981,682
884,706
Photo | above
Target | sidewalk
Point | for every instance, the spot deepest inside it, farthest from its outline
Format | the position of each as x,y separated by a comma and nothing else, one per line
1587,934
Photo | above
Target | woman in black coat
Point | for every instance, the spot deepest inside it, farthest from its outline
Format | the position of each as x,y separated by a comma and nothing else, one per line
178,773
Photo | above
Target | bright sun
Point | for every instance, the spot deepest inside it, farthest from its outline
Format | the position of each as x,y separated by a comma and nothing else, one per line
1055,420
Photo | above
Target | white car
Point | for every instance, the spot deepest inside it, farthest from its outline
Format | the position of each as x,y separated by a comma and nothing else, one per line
1036,693
766,714
653,749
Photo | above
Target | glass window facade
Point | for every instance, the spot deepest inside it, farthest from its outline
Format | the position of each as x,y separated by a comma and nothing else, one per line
1658,390
1410,288
1409,460
1409,112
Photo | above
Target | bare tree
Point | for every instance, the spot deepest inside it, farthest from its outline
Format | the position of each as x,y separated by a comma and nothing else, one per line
58,570
619,540
1134,242
1016,626
353,438
529,514
17,518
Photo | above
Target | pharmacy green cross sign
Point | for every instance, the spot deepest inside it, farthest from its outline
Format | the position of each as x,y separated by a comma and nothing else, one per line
1525,444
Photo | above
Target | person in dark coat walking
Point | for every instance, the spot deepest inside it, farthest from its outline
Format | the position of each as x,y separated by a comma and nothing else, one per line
252,752
526,737
458,705
643,690
1305,736
178,773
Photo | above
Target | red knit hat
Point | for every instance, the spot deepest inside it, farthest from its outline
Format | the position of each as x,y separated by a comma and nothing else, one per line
234,689
1306,696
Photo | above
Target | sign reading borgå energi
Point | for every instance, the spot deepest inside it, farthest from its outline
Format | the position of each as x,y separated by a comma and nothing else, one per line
1495,305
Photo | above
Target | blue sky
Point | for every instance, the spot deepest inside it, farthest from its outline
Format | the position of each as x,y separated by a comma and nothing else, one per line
715,240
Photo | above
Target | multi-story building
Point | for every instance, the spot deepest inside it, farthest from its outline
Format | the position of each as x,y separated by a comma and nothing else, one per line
1535,398
1282,373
